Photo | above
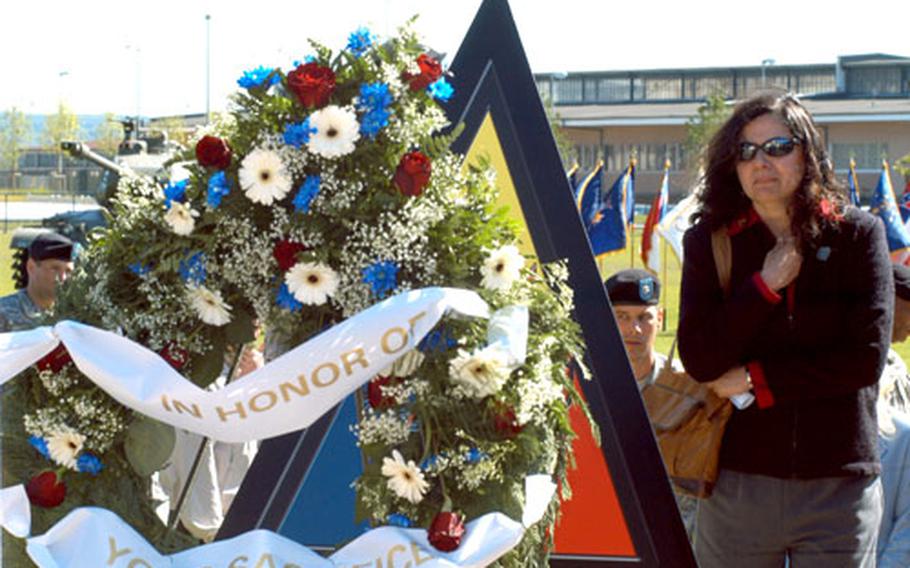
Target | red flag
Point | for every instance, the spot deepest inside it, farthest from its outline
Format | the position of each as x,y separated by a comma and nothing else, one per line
650,254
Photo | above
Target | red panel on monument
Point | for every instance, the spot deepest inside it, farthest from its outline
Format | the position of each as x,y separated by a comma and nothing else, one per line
592,521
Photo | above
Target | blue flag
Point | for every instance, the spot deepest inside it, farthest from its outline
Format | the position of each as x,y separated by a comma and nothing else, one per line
608,228
852,184
572,176
588,196
885,206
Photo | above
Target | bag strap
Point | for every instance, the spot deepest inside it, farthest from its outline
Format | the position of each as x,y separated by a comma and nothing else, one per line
723,260
723,257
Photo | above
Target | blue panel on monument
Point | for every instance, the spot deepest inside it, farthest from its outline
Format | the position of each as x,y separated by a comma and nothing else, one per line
323,510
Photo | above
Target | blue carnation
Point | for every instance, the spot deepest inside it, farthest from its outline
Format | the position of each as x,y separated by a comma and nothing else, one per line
374,100
306,194
399,520
441,90
40,445
298,133
287,300
219,186
192,269
256,78
437,340
360,40
374,96
474,455
372,122
139,269
381,276
87,463
175,192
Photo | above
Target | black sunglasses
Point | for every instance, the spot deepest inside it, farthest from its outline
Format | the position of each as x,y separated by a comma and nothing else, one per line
774,147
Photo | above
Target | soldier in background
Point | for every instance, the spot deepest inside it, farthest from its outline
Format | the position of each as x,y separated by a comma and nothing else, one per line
635,297
49,263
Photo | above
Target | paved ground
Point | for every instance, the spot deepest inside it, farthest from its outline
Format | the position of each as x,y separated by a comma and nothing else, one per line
37,210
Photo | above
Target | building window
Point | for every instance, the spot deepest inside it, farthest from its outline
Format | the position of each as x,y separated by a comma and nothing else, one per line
703,87
568,91
868,155
613,89
662,88
874,81
650,156
812,83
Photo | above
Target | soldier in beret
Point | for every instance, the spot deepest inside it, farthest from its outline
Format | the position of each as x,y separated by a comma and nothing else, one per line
635,296
50,262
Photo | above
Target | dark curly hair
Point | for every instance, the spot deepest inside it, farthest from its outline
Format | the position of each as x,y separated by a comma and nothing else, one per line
819,199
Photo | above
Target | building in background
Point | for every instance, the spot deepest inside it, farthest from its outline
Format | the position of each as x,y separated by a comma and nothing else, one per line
861,104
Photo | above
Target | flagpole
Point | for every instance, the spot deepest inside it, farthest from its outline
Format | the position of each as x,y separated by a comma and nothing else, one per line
664,260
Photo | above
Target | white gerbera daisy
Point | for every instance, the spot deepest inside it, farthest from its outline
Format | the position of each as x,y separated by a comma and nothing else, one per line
263,177
181,218
502,268
311,282
336,131
482,373
405,479
209,305
64,448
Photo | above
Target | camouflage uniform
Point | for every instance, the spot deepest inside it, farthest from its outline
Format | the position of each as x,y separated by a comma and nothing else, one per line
18,312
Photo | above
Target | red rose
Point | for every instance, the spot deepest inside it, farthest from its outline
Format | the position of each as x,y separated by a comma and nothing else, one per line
55,360
506,423
212,152
285,252
175,356
430,72
45,490
446,531
312,83
376,396
413,173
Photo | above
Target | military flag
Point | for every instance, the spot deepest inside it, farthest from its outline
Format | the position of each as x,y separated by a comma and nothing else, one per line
608,228
650,238
677,222
885,206
853,184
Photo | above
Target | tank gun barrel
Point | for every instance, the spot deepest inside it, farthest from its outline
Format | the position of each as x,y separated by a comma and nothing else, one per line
80,150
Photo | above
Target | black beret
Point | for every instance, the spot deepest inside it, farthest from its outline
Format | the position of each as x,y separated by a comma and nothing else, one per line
902,281
633,286
51,245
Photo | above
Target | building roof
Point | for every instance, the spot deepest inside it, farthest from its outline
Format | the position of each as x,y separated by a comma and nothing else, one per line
825,111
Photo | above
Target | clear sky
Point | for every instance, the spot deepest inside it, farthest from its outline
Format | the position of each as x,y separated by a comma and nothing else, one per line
117,56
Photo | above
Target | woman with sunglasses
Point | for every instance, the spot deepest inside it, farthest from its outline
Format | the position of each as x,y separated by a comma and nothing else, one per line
804,326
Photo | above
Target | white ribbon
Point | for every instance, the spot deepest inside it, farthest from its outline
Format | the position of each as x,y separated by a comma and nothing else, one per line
288,394
90,537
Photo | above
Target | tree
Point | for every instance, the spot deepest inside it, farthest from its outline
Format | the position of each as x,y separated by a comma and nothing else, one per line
701,127
563,144
176,130
108,135
903,167
15,132
59,127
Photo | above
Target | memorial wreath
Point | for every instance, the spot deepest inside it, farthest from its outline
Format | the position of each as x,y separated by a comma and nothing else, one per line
327,188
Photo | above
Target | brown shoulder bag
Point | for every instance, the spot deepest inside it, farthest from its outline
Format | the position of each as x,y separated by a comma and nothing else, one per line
688,418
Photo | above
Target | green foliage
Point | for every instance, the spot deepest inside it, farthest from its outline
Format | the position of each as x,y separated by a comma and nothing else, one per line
15,132
148,444
700,128
108,135
64,125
